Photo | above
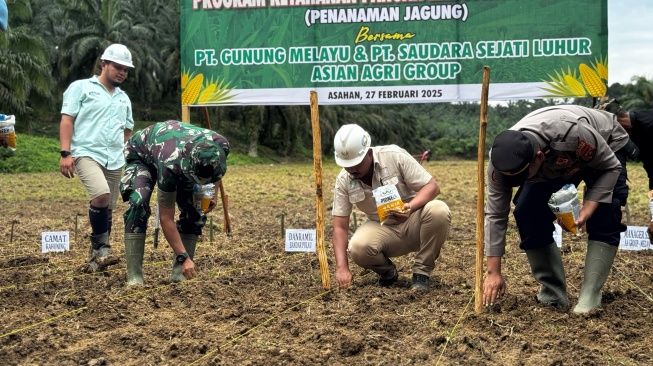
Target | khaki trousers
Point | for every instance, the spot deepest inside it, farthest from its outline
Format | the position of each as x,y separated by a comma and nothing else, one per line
97,180
424,232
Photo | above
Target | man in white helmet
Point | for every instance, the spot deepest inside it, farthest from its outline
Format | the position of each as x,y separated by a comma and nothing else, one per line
421,226
96,120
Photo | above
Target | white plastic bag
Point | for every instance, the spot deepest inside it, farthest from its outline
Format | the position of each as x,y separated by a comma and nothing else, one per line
7,132
566,206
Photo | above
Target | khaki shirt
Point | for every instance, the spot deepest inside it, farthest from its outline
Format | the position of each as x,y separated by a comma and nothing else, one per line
577,138
392,165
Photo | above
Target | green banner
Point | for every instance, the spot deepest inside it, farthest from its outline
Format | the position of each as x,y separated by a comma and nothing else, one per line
268,52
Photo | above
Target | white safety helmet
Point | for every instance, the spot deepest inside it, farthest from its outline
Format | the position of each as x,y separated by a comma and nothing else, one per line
351,143
119,54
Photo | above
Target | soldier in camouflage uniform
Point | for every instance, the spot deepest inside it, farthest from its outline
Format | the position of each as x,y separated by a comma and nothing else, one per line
176,157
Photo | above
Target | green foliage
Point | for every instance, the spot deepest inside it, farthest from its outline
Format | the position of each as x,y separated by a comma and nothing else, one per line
51,43
33,154
25,81
634,96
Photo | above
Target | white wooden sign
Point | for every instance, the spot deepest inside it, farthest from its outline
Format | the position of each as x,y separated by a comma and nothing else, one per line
55,241
300,240
557,234
635,238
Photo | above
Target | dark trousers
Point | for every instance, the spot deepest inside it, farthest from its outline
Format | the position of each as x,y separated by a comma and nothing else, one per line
535,220
136,186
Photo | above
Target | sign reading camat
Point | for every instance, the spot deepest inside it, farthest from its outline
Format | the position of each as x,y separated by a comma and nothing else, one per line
55,241
300,240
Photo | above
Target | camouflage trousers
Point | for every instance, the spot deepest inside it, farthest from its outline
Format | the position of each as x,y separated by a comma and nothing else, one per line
136,186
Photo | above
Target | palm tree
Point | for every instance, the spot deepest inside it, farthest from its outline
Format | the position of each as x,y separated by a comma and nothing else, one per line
638,95
149,28
24,70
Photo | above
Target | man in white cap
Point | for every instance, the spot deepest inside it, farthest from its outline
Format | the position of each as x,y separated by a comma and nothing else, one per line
96,120
420,226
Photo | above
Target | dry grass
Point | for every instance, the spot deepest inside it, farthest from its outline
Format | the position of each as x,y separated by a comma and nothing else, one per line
253,304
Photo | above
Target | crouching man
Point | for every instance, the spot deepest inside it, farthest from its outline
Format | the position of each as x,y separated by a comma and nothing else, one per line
420,226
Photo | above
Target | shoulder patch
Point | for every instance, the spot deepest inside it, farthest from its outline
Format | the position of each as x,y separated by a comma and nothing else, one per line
585,150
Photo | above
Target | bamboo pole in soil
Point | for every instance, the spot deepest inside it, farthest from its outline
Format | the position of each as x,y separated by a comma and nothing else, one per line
480,188
319,206
185,113
225,208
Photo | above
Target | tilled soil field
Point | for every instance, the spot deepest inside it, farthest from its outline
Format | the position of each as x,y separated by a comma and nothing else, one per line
254,304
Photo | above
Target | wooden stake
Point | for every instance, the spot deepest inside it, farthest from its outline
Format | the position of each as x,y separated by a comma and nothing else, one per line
157,226
206,117
76,227
11,235
283,224
185,113
225,208
211,229
319,204
480,189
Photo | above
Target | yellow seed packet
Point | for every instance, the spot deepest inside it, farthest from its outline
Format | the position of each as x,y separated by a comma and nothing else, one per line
387,198
566,206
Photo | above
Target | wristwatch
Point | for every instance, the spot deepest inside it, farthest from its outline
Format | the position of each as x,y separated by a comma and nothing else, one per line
181,258
64,153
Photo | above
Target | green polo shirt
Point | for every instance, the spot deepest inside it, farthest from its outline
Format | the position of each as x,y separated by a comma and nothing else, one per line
100,121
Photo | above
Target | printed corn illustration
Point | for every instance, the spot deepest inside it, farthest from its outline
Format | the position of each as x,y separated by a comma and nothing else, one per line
591,82
601,69
197,90
192,90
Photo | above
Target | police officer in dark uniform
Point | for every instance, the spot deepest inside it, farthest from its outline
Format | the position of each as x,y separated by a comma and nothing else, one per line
545,150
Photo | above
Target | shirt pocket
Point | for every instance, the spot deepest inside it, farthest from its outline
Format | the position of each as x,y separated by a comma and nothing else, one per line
391,180
119,115
356,195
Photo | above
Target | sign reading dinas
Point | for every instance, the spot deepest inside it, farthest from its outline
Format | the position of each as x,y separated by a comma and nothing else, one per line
390,51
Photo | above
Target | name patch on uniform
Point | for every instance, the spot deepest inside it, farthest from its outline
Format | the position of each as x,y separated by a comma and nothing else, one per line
585,151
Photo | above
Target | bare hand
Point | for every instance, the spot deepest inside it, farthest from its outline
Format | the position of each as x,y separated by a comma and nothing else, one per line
212,205
493,288
188,269
67,166
398,216
343,277
650,232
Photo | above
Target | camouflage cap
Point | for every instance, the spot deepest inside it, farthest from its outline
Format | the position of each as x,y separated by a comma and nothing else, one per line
209,160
